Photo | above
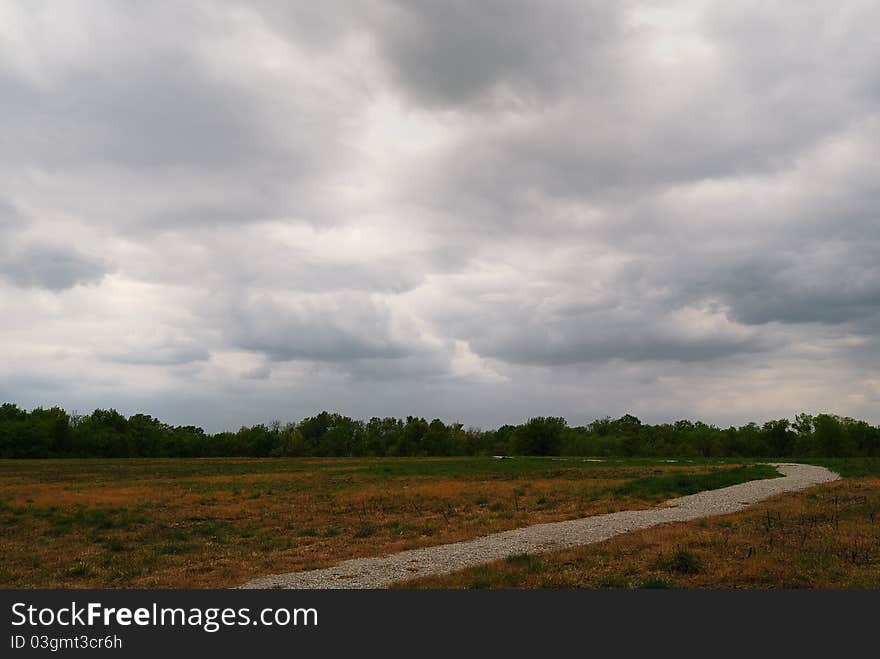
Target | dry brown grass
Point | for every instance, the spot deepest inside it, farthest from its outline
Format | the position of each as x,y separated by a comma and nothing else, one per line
155,523
827,537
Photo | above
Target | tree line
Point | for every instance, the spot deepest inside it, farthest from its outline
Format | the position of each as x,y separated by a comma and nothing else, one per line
54,433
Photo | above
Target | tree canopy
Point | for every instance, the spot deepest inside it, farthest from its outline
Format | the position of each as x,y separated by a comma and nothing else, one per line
44,433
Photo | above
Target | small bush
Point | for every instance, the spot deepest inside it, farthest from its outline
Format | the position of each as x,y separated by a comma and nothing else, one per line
657,583
528,562
684,561
364,531
483,577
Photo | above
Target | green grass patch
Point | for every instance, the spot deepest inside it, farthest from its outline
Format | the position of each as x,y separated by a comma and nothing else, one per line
657,583
616,581
683,561
63,520
848,467
529,563
364,531
682,484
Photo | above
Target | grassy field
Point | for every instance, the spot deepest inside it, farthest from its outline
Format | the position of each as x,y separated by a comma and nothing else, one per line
219,522
825,537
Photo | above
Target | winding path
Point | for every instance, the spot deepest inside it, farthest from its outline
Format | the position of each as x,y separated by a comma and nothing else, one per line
381,571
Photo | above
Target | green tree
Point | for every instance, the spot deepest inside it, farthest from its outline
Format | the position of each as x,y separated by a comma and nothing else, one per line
779,438
539,436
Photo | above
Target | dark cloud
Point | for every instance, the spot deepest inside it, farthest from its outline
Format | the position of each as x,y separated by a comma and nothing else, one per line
598,338
53,268
476,211
455,53
804,289
178,130
624,322
347,329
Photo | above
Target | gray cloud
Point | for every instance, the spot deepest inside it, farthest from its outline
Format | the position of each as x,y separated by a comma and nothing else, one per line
159,112
49,267
480,212
347,329
454,53
805,289
604,338
10,219
159,353
176,136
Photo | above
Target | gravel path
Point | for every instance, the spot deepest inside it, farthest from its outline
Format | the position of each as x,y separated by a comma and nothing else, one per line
379,572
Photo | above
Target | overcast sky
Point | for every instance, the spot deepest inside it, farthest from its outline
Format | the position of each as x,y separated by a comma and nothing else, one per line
223,213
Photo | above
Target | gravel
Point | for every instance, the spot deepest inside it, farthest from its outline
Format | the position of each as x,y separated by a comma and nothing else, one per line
381,571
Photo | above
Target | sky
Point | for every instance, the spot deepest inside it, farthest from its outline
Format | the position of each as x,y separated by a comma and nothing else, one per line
225,213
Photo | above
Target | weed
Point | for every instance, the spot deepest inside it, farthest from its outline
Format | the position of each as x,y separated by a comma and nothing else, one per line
364,531
683,561
482,578
114,545
176,549
529,563
657,583
78,570
613,581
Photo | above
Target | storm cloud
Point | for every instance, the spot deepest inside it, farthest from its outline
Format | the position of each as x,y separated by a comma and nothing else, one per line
222,213
49,267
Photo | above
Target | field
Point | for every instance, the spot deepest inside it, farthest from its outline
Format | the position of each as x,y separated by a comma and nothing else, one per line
826,537
194,523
